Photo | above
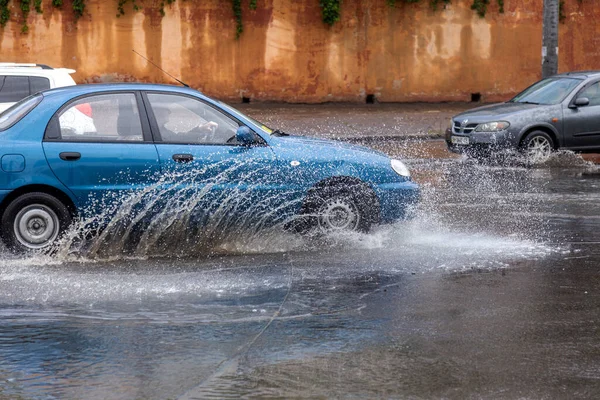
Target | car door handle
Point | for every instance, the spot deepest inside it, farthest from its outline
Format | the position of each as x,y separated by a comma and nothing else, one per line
70,156
183,158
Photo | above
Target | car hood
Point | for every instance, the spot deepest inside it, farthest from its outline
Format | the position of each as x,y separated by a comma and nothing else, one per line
327,144
499,109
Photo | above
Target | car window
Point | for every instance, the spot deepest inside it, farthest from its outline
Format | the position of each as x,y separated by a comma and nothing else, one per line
15,113
592,92
38,83
13,88
547,91
102,118
182,119
259,124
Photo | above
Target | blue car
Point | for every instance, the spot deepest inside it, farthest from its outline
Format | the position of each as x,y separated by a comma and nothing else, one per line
66,153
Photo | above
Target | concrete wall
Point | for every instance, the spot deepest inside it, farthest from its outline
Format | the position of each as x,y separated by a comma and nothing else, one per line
286,53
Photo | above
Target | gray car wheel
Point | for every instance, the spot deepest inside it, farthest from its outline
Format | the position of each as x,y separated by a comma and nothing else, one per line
34,221
339,208
339,213
537,147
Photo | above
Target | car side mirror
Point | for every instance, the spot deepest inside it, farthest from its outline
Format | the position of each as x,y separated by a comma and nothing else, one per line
245,136
581,102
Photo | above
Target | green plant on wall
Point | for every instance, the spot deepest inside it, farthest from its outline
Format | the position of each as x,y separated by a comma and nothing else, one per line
4,13
480,6
163,4
237,13
78,8
236,5
435,3
121,7
392,3
330,10
25,8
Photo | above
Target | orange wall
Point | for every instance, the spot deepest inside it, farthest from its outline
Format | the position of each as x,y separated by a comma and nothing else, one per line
286,53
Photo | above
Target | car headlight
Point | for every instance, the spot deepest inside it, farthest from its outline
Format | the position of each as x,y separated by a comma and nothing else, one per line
492,126
451,124
400,168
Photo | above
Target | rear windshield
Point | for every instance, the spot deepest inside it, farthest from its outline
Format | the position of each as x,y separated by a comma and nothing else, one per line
18,110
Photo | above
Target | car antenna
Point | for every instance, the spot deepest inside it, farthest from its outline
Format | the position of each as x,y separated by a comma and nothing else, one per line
184,84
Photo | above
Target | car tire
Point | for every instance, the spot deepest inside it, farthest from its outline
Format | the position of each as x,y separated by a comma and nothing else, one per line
33,222
339,208
537,147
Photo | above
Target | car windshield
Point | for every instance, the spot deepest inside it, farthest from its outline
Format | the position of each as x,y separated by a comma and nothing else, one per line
234,111
547,91
18,110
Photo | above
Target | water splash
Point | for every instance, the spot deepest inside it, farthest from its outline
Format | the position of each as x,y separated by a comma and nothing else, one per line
184,214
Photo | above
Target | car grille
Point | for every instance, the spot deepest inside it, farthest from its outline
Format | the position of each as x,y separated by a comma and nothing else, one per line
467,129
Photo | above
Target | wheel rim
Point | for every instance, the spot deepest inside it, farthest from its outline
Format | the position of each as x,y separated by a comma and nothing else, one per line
339,214
36,226
539,149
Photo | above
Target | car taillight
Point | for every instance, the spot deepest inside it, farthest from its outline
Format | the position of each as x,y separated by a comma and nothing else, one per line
85,108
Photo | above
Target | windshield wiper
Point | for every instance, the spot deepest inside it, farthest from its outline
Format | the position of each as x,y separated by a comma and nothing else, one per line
527,102
279,132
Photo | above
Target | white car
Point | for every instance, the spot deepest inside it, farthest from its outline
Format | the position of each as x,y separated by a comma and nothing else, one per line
18,81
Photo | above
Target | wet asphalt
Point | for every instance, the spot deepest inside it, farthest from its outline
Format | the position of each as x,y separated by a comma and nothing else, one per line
491,291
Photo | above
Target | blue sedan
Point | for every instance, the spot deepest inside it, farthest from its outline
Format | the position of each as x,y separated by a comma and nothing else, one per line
66,153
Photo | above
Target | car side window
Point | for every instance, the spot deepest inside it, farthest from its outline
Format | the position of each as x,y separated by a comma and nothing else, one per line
182,119
38,83
592,92
13,88
102,118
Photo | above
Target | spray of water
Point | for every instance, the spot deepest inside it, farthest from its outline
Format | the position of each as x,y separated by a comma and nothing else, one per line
185,214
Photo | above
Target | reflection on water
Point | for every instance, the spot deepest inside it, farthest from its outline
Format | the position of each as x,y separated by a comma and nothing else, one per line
388,314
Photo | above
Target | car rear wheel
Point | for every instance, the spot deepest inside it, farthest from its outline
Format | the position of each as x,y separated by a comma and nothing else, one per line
537,147
34,221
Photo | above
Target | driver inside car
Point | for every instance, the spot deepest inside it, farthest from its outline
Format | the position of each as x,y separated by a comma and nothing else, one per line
163,119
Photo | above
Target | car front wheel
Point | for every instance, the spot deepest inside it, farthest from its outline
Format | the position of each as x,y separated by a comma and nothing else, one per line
537,147
340,209
340,213
34,221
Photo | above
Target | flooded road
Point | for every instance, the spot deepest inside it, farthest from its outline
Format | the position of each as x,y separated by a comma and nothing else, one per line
492,291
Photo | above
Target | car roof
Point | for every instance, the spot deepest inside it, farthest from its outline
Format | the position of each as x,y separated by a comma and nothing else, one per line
107,87
31,69
580,74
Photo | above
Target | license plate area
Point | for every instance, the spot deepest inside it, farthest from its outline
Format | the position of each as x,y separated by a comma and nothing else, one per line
459,140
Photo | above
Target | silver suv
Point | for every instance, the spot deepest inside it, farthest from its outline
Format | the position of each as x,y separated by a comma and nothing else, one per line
18,81
560,112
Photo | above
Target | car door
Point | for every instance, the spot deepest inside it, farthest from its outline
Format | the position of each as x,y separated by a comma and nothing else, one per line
582,123
200,157
101,143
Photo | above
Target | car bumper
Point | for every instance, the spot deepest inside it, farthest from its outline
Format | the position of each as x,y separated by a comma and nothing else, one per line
478,141
396,199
